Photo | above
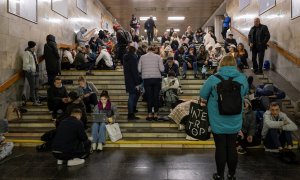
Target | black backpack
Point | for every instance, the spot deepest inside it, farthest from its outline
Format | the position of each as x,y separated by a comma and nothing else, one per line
229,96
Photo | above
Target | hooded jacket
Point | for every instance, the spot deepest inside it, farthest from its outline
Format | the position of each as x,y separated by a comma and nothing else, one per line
51,55
249,121
223,124
29,61
79,36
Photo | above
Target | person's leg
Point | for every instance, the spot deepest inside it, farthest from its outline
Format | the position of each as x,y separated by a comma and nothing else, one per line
95,132
224,31
93,99
149,37
149,94
232,156
86,102
272,139
220,153
261,55
285,138
131,103
156,91
135,101
254,61
31,82
102,133
184,69
195,67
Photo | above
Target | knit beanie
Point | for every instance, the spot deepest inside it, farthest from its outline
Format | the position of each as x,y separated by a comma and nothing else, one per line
31,44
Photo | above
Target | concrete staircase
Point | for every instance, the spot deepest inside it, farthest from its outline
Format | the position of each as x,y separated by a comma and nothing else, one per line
137,134
140,133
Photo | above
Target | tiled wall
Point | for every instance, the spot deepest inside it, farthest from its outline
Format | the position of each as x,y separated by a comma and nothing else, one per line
284,30
15,32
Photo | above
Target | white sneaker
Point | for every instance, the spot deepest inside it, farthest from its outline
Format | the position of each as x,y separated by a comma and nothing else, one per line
94,145
75,162
181,127
272,150
59,162
100,147
190,138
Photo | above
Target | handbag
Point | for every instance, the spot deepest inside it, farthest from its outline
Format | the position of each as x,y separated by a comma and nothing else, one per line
114,132
197,125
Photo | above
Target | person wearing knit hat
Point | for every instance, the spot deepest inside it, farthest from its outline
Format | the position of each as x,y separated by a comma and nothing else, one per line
31,69
246,136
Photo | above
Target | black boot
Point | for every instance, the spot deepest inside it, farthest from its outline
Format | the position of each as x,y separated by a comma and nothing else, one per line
132,117
217,177
231,177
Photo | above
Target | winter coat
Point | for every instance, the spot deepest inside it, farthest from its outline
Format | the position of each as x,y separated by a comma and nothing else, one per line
149,25
80,38
249,123
151,66
90,86
51,55
29,61
79,59
270,122
70,136
131,73
174,68
223,124
261,38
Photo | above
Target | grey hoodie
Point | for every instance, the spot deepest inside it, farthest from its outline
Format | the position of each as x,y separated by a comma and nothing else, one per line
270,122
80,39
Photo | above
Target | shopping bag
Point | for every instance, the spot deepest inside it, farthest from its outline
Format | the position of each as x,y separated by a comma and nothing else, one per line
114,132
197,125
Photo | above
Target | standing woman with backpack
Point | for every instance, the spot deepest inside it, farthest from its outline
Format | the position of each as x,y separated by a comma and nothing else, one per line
224,94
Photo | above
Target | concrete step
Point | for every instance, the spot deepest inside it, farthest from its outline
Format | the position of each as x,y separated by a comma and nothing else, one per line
124,97
126,132
96,80
123,91
123,124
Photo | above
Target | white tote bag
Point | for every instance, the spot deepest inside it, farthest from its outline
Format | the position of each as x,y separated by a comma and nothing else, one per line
114,132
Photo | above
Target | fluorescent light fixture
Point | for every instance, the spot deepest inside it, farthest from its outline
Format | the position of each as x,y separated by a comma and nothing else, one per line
175,30
176,18
144,18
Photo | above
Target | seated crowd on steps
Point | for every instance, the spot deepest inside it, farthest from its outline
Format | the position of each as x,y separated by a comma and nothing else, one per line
152,70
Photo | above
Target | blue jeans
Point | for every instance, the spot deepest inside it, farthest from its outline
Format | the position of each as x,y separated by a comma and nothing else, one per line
99,133
275,139
132,102
185,67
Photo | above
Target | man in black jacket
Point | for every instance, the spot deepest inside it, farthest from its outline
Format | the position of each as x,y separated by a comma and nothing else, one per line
57,96
258,38
71,143
132,81
51,58
149,26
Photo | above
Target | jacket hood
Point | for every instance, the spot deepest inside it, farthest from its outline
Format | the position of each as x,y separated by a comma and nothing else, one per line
229,71
50,37
83,30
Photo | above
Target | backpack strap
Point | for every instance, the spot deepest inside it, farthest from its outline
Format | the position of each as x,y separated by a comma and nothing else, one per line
219,77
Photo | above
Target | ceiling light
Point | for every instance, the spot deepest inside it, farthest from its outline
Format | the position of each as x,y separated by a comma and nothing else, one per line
144,18
175,30
176,18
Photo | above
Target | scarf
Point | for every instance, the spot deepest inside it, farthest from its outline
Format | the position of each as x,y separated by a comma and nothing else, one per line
107,107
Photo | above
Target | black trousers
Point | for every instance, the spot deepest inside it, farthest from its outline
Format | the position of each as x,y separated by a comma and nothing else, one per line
150,34
82,153
152,88
90,100
55,106
224,31
86,66
261,55
32,79
226,153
